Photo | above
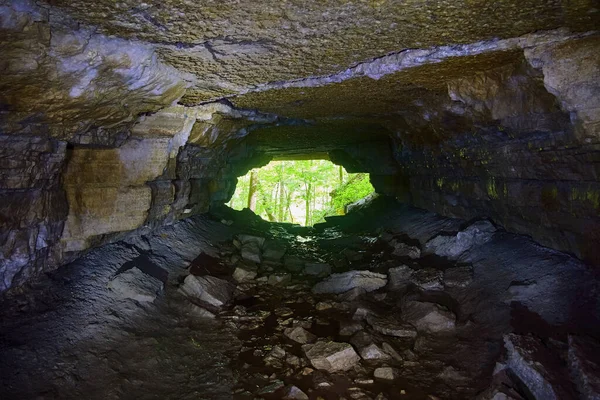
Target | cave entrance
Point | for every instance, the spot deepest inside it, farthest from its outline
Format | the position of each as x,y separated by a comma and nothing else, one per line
302,192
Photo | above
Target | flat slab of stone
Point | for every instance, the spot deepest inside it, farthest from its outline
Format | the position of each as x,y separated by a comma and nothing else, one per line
391,327
244,274
373,353
208,289
135,284
343,282
386,374
453,246
279,279
331,356
317,269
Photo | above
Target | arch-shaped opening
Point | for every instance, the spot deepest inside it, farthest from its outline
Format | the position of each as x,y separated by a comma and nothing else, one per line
300,191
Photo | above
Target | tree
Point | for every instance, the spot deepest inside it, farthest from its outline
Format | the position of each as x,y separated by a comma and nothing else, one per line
252,190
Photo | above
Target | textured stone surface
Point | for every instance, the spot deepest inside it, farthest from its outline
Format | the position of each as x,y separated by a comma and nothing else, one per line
343,282
135,284
331,356
208,290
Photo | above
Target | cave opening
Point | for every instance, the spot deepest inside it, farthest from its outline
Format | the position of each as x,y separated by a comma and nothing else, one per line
300,192
139,258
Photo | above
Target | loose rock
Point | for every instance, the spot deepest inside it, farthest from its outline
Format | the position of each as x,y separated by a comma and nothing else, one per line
340,283
208,289
137,285
331,356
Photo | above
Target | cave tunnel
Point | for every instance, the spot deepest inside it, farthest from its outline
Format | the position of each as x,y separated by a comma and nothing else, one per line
471,273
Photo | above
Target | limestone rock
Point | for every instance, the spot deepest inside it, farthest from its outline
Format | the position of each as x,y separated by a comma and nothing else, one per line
428,317
331,356
373,353
400,277
135,284
299,335
294,393
251,251
352,294
391,327
537,368
453,246
317,269
208,289
342,282
273,251
460,277
386,374
405,250
428,279
584,366
244,274
293,263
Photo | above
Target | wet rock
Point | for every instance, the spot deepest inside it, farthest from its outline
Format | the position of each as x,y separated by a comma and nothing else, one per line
273,251
275,357
343,282
208,289
405,250
458,277
299,335
373,353
428,317
453,246
244,274
390,326
386,374
537,368
135,284
293,263
294,393
331,356
279,279
319,270
584,366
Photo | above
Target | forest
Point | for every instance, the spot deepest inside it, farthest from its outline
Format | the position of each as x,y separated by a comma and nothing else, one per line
301,191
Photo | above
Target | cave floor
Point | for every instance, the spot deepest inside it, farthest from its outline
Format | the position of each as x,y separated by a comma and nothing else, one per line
429,320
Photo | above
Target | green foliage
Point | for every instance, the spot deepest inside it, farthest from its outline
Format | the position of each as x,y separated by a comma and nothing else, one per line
303,191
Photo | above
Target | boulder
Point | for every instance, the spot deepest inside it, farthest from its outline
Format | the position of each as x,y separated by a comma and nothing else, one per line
342,282
331,356
317,269
453,246
458,277
244,274
208,289
390,326
428,317
244,239
349,328
273,251
373,353
539,369
250,251
299,335
386,374
135,284
400,277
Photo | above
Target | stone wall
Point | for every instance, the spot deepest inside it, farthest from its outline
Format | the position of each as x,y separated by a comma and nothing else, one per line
533,162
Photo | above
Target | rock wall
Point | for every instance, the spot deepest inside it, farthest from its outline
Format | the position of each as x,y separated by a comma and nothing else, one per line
532,159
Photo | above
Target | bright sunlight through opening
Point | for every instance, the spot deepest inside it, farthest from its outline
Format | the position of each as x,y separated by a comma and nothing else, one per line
301,192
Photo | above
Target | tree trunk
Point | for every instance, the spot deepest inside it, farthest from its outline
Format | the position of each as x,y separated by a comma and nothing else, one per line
308,198
341,174
252,191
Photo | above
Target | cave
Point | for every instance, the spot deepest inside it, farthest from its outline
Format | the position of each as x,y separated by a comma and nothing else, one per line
470,273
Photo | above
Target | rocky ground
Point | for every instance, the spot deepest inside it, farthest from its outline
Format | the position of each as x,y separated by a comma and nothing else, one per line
388,302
